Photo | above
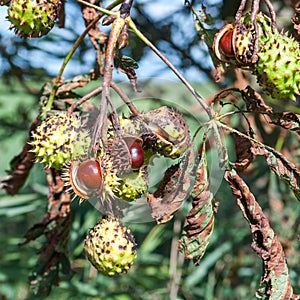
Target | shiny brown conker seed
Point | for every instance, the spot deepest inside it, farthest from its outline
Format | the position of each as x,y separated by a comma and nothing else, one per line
225,43
89,175
137,155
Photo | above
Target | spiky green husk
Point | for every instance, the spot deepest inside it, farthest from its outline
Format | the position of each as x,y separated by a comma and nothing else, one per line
278,65
33,18
118,143
111,181
165,131
59,139
131,126
106,191
132,186
162,130
110,247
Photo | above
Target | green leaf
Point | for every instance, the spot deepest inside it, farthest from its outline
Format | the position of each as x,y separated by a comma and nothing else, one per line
153,239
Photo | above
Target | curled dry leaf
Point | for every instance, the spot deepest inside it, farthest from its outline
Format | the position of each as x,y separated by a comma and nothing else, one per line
97,38
56,227
275,281
284,169
20,167
200,220
254,101
296,17
244,156
287,120
173,190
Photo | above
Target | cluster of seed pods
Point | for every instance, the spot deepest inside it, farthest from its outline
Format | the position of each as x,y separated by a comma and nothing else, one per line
122,171
272,56
119,170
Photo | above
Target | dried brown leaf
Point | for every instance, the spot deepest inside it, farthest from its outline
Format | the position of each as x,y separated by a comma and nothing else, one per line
200,220
287,120
278,163
275,281
244,156
254,101
173,190
21,166
56,227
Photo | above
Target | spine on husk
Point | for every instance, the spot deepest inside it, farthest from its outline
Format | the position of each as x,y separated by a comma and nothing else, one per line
277,66
33,18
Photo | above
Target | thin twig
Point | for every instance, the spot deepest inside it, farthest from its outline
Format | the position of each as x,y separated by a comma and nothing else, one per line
100,128
125,98
115,117
73,49
175,260
272,12
83,99
172,67
237,132
254,12
240,10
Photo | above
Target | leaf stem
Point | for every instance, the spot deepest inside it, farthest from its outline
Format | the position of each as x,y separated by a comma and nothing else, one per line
104,11
125,98
232,130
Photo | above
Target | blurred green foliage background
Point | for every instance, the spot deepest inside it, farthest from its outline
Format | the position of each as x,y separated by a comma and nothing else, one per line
229,269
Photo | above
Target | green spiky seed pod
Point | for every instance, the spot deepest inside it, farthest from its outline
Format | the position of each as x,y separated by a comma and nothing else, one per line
33,18
132,186
119,143
110,247
119,154
111,179
165,131
128,126
59,139
131,126
277,62
278,65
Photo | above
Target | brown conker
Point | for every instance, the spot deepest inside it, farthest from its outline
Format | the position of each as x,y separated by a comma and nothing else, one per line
225,43
137,155
89,175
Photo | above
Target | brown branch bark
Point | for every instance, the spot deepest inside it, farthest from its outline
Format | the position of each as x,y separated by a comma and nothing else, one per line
100,128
